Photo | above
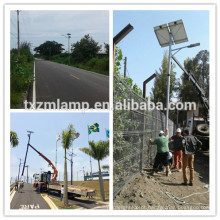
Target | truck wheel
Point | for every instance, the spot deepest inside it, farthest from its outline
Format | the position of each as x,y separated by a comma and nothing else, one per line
203,129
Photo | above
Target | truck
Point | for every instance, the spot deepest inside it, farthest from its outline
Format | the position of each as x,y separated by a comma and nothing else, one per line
198,125
47,181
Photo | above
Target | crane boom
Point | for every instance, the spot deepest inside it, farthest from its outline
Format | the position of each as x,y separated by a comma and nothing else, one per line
55,173
204,100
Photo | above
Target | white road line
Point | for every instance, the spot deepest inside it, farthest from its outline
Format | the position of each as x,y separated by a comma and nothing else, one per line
34,89
74,76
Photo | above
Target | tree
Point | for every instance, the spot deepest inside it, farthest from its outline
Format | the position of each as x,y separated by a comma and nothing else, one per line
106,48
49,48
199,67
85,49
159,91
67,139
98,151
14,139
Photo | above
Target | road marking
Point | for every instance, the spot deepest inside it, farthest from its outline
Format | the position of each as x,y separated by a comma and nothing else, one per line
49,201
30,206
12,194
74,76
34,89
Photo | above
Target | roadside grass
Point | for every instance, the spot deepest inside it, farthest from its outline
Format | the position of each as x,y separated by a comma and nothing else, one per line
98,65
60,205
21,76
94,185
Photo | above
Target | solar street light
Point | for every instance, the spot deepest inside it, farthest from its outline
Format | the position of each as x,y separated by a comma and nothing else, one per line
167,35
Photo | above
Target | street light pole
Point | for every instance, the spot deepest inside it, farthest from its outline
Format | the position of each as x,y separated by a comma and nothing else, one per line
69,36
168,81
18,30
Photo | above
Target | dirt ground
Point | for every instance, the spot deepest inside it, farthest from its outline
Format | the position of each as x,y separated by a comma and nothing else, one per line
159,192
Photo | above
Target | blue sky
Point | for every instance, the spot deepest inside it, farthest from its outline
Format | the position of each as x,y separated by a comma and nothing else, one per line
45,127
37,27
140,46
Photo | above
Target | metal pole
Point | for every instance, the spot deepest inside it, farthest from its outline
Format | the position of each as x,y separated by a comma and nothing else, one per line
19,169
18,32
56,155
29,136
168,82
68,50
90,158
125,66
27,173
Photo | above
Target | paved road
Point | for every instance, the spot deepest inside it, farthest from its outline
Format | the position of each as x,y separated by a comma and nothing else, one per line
28,199
83,203
69,84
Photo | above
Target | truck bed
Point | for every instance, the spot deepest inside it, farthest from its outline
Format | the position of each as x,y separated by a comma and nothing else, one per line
78,190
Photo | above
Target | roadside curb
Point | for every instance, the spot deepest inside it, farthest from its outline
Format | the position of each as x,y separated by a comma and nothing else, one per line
49,201
12,193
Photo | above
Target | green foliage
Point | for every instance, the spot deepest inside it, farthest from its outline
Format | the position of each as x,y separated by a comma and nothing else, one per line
98,65
85,49
159,91
98,150
199,67
49,48
14,139
21,73
128,81
68,137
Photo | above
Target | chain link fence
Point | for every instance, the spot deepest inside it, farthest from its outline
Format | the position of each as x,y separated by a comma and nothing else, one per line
132,131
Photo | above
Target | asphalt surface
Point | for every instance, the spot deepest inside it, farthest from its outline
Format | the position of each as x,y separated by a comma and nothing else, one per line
69,84
28,199
83,203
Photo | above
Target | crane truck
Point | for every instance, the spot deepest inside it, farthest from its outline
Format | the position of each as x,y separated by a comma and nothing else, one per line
47,181
198,125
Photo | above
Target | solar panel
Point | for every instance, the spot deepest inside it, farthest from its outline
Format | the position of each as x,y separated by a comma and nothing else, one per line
178,31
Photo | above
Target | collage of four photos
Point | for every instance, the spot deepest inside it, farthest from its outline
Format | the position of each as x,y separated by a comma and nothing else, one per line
108,110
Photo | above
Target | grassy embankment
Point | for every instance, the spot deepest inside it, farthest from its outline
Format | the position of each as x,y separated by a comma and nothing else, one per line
21,76
98,65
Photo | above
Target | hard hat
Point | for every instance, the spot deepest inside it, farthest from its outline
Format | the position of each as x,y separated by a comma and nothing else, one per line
161,132
178,130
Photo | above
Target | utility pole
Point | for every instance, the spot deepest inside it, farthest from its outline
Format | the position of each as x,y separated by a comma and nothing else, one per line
18,32
125,67
27,172
19,169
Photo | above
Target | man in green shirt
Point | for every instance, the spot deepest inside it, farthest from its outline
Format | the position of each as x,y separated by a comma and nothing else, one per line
162,151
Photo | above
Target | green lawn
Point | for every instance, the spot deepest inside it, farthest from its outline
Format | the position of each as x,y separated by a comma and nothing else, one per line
59,204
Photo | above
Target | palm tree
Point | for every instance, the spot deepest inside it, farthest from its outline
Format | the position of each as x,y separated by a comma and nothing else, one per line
98,151
14,139
67,139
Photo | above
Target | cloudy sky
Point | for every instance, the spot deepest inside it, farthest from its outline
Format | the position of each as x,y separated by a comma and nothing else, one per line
37,27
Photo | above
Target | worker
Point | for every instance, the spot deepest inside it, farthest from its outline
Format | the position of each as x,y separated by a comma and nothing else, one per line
61,195
190,144
162,151
170,163
178,153
16,185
